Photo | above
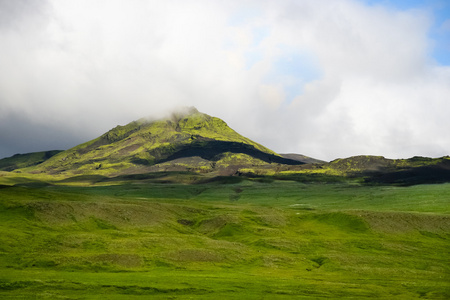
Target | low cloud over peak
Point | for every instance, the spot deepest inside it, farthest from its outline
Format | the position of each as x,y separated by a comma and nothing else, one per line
325,78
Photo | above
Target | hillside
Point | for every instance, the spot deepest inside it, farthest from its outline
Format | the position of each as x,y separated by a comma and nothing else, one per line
186,141
377,169
363,169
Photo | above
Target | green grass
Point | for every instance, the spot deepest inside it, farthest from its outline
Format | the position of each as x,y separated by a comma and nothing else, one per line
228,239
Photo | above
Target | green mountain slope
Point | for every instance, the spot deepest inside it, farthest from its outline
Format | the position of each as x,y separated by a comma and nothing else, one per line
187,141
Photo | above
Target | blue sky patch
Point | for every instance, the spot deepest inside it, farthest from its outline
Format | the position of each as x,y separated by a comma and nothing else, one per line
292,70
259,34
252,57
243,15
439,32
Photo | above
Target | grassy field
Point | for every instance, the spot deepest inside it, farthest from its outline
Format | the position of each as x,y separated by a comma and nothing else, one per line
245,239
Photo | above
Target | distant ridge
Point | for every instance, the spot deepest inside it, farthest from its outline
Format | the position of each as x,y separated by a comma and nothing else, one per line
303,158
380,170
18,161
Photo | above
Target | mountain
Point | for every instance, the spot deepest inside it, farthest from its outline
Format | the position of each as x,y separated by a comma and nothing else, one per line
186,141
197,147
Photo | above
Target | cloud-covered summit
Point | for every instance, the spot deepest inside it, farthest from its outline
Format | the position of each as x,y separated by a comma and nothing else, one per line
325,78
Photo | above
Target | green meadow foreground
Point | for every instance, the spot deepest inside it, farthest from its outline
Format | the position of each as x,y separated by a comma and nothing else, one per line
242,239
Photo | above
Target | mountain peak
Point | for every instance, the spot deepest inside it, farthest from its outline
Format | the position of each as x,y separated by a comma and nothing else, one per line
183,112
185,140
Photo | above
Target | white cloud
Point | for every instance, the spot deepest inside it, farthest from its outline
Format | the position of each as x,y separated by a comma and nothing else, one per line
86,66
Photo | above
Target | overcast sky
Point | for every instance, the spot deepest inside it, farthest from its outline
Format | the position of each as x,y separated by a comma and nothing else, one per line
326,79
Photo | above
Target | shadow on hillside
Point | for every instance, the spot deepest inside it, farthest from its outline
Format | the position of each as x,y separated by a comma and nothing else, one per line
152,176
298,177
84,178
195,178
439,173
215,150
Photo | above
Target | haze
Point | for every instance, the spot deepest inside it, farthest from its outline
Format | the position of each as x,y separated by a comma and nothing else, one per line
326,79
